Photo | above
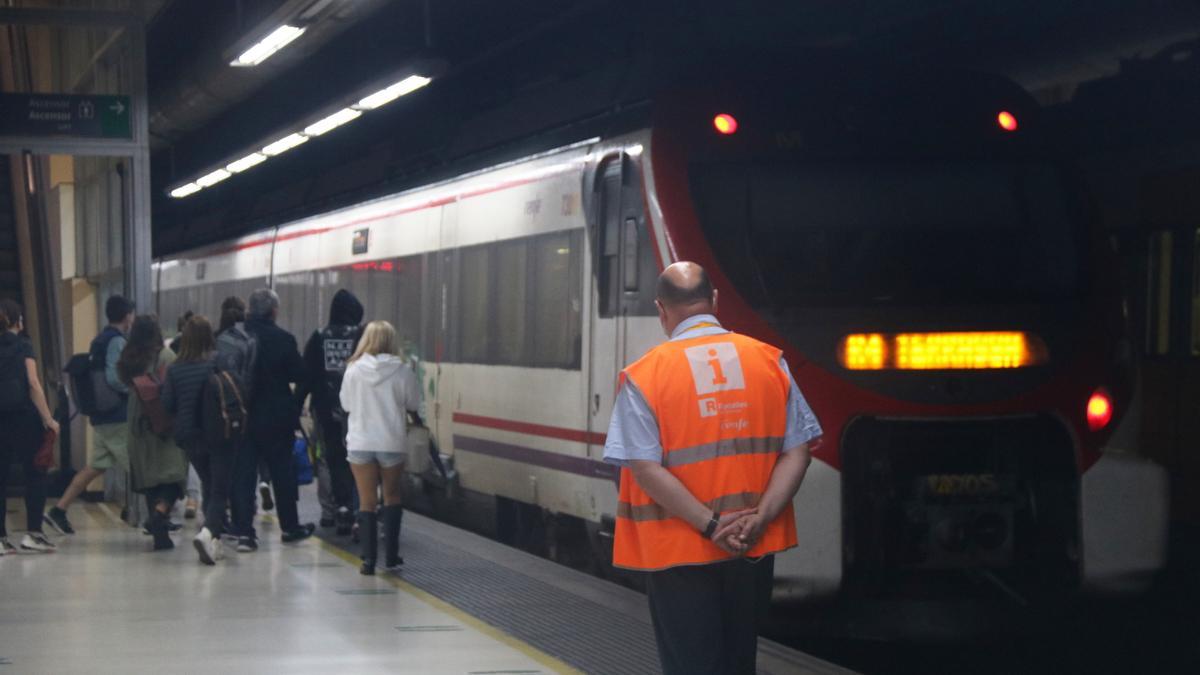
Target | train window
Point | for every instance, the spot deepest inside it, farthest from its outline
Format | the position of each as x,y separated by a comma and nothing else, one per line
511,303
629,240
1158,294
609,259
791,235
406,285
474,283
557,300
1196,293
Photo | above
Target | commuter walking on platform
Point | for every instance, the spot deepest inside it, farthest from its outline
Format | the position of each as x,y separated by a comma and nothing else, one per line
158,468
24,418
274,418
237,352
378,392
110,423
325,358
181,397
712,436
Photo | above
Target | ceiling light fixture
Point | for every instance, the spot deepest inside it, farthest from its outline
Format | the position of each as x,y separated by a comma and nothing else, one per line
385,96
266,47
332,122
210,179
284,144
253,159
185,190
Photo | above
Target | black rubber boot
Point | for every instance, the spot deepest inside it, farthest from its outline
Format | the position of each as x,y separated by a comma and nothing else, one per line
159,530
392,515
369,533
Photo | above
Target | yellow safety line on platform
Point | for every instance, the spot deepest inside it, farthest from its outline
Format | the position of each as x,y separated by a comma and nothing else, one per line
475,622
478,624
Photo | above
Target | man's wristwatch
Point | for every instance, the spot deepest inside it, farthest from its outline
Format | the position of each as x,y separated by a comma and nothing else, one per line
712,525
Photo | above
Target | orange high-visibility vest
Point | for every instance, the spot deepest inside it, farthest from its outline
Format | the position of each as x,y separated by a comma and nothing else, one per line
721,406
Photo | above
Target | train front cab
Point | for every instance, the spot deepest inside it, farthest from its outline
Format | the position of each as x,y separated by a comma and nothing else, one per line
934,480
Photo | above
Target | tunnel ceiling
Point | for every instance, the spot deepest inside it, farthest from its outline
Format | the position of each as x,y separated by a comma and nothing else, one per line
514,67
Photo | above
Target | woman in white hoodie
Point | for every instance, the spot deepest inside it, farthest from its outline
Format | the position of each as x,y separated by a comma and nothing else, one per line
378,391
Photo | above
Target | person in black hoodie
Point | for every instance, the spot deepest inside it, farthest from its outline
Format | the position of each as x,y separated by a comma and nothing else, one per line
325,358
274,417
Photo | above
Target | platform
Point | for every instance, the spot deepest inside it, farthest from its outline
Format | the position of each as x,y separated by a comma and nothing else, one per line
463,604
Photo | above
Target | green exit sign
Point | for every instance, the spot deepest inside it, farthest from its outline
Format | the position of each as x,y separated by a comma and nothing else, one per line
65,115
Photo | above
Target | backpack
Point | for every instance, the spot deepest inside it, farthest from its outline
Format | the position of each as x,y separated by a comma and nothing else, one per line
148,389
89,388
237,353
222,410
14,387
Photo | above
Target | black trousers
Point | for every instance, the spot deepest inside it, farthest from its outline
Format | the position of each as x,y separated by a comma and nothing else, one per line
706,617
215,468
19,442
276,450
333,435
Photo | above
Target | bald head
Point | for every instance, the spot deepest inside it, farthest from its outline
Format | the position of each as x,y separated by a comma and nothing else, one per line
683,284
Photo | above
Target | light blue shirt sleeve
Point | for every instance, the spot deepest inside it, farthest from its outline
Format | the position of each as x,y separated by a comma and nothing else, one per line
111,357
633,430
802,424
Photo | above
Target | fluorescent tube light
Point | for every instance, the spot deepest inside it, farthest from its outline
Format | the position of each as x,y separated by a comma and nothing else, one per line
284,144
332,122
253,159
264,48
385,96
185,190
210,179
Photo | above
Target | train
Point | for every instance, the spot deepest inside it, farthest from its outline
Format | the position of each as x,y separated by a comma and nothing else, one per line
920,247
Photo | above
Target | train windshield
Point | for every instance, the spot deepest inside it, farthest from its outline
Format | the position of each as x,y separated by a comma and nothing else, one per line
886,233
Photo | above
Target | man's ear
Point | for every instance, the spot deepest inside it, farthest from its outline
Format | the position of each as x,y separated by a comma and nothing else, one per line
714,301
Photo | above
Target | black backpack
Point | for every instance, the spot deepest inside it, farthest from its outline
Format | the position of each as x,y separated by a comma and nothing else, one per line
222,410
85,380
14,385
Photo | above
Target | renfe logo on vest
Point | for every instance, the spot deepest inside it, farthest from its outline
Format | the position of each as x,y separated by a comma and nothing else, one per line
715,367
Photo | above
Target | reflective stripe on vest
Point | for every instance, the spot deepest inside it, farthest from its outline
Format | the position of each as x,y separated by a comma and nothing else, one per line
720,402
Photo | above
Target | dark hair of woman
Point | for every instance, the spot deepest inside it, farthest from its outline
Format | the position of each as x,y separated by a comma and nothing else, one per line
141,351
233,310
10,314
179,324
197,341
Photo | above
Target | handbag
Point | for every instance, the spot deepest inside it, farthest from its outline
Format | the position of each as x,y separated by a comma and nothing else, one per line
44,458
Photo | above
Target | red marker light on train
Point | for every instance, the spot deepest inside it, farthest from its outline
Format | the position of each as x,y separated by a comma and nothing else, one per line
725,124
1099,410
1007,120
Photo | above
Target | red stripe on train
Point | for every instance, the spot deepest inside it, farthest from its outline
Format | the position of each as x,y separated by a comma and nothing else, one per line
441,201
560,433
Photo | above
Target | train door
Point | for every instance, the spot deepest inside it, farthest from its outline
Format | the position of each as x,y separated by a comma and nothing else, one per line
623,276
1171,367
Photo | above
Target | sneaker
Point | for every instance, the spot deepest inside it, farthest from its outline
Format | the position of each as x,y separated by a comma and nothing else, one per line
204,546
57,518
298,533
36,542
265,491
6,547
218,549
171,527
247,545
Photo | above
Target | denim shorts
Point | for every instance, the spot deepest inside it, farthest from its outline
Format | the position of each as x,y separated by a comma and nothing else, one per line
385,459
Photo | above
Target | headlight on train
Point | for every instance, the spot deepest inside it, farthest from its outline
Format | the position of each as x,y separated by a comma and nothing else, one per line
942,351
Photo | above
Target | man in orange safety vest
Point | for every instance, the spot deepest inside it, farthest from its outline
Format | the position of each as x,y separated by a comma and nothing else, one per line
712,436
